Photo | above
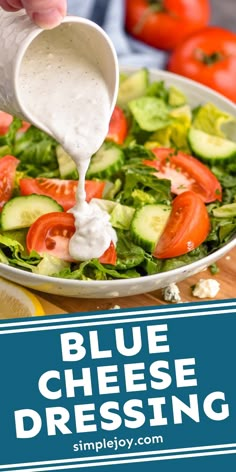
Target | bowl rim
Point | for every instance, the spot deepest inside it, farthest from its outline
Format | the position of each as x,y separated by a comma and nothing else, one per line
99,283
193,266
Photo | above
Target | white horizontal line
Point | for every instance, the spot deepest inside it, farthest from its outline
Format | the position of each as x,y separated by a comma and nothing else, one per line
120,314
128,461
118,456
100,323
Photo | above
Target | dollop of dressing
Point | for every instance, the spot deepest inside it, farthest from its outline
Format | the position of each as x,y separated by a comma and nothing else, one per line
61,85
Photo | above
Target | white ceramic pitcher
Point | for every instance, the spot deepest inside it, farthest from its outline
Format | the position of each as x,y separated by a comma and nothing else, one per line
17,32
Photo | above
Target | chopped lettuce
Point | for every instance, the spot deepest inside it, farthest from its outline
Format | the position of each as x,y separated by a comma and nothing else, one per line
150,113
8,138
4,150
94,270
143,179
129,255
182,115
225,211
175,262
176,97
227,179
14,251
37,153
140,197
49,265
210,119
121,216
173,136
137,151
159,90
3,258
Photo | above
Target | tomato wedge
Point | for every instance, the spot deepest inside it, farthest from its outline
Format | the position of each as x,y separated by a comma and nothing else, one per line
24,127
5,121
109,256
63,191
8,165
186,173
186,228
118,127
51,233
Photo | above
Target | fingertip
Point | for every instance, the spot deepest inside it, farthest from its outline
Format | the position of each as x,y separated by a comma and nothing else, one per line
48,19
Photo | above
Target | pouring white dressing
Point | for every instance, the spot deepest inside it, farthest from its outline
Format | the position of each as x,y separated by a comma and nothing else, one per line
69,95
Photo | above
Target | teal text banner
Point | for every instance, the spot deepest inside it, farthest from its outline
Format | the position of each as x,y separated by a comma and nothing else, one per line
121,389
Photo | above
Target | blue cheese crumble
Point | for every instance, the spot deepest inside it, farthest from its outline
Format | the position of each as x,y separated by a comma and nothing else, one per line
171,293
206,288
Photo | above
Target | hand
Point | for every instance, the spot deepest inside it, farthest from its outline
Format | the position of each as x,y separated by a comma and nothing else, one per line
45,13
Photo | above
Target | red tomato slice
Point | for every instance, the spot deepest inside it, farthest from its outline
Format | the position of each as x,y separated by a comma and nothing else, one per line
51,233
118,127
5,121
186,228
8,166
24,127
63,191
109,256
186,173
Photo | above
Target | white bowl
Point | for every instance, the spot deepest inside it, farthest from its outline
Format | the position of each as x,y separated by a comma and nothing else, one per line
197,94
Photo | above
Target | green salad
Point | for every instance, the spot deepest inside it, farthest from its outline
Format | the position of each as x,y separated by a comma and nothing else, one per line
166,174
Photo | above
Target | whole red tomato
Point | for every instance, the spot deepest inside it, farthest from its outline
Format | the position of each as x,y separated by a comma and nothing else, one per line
209,57
165,23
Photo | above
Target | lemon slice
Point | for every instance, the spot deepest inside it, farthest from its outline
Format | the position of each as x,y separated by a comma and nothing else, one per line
16,301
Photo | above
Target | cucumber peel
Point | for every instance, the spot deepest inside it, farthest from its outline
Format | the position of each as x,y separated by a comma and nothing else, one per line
23,211
213,149
148,224
106,162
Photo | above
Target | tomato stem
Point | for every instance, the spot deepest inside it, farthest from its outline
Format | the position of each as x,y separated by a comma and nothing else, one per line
209,59
156,6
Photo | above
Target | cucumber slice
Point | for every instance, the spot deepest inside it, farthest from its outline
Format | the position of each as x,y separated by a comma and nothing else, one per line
67,166
107,161
133,87
21,212
148,224
213,149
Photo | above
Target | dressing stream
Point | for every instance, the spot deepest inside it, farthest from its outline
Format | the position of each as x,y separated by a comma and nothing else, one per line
61,85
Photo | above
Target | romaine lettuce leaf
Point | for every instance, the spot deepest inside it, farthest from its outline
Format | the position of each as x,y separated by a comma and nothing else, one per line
143,179
94,270
14,251
37,153
150,113
210,119
8,138
158,90
176,97
129,255
49,265
4,150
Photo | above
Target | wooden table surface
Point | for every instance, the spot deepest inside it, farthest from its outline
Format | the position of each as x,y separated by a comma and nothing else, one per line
54,304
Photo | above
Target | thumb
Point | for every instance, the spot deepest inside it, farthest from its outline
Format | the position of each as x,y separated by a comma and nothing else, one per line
45,13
